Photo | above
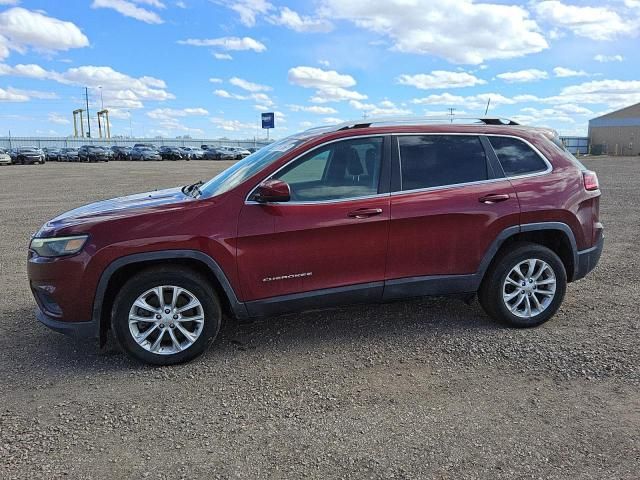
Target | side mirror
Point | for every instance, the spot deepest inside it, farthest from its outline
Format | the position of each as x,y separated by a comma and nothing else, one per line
272,191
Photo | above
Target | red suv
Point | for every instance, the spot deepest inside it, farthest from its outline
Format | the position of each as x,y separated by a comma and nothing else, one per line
367,212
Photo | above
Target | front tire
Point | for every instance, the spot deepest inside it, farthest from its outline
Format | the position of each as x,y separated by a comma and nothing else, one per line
166,316
525,286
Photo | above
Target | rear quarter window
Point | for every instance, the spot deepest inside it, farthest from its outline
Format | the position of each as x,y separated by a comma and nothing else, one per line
516,157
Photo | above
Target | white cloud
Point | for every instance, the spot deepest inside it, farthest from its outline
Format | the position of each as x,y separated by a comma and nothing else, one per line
130,9
118,89
595,23
21,29
330,85
226,43
384,108
215,80
232,125
293,20
470,102
222,56
521,76
460,31
440,79
332,120
9,2
563,72
313,109
181,4
249,86
172,113
58,119
260,97
613,93
11,94
249,10
608,58
336,94
312,77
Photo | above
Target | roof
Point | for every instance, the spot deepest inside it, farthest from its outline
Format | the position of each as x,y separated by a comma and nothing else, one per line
625,117
429,124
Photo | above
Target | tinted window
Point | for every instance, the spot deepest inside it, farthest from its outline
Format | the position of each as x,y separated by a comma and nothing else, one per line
437,160
345,169
516,157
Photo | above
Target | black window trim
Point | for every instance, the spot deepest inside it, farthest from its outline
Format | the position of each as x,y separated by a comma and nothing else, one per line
549,168
383,182
490,155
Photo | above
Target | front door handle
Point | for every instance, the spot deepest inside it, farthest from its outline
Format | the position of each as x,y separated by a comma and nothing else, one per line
494,198
365,213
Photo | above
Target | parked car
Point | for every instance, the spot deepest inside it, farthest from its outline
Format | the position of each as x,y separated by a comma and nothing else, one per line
29,156
193,153
52,154
144,154
218,154
238,153
171,153
69,155
5,158
396,210
121,152
253,149
207,147
146,145
93,153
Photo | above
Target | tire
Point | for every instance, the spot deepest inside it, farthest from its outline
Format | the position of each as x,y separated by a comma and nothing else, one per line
495,287
196,286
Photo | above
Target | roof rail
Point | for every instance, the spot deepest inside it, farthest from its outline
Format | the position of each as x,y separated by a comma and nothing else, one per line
418,121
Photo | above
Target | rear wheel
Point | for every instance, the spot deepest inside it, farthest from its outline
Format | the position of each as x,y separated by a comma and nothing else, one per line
166,316
525,286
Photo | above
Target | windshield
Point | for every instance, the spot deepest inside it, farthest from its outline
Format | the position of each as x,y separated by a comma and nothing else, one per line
242,170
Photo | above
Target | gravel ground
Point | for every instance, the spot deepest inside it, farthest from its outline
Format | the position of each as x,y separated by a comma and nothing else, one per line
420,389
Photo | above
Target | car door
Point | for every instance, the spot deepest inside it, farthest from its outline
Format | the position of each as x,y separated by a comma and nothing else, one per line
450,203
332,233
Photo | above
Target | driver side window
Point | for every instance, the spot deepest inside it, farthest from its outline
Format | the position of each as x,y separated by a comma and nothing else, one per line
339,170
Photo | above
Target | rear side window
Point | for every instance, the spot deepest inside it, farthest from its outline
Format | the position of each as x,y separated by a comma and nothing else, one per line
438,160
516,157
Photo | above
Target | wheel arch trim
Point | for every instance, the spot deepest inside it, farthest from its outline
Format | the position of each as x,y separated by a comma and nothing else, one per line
239,309
529,227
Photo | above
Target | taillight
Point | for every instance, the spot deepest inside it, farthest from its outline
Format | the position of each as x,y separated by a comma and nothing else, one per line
590,180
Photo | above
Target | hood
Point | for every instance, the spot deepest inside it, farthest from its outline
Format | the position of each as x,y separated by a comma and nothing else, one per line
114,208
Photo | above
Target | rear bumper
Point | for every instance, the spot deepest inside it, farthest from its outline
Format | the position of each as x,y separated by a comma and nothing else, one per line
588,259
89,329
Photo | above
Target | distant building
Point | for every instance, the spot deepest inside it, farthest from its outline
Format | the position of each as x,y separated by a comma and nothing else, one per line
616,133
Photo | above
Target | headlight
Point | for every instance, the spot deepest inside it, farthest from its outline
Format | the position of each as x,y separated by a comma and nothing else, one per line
58,246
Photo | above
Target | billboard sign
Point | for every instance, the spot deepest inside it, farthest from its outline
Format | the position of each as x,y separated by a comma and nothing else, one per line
268,120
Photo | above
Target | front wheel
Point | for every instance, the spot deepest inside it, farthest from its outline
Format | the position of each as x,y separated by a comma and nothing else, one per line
166,316
525,286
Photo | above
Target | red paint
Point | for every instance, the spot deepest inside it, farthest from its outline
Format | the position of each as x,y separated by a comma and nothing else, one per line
323,245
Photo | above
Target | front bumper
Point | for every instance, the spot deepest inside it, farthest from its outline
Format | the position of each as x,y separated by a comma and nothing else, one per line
588,259
90,329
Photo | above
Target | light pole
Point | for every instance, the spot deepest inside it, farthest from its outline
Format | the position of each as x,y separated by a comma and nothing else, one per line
130,128
101,99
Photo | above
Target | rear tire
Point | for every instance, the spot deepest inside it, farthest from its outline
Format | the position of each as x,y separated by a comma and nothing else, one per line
524,287
171,338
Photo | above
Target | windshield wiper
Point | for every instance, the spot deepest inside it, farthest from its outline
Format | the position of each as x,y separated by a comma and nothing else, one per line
190,189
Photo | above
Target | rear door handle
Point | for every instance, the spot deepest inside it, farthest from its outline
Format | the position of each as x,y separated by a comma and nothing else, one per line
365,212
494,198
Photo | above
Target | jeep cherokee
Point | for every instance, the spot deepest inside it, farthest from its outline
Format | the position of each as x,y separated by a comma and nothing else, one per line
359,212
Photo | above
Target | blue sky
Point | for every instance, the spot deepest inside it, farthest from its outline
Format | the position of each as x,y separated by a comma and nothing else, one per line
207,68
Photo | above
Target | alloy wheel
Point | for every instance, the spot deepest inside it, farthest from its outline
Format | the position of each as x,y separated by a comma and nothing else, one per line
166,320
529,288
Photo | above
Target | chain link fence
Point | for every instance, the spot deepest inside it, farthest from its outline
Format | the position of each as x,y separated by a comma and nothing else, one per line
76,142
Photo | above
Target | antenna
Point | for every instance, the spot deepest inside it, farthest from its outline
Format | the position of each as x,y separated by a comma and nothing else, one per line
487,109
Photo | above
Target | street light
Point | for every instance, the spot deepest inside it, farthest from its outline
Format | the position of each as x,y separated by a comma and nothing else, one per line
130,128
101,99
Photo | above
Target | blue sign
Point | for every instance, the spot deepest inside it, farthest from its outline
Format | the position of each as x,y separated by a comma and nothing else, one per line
268,120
